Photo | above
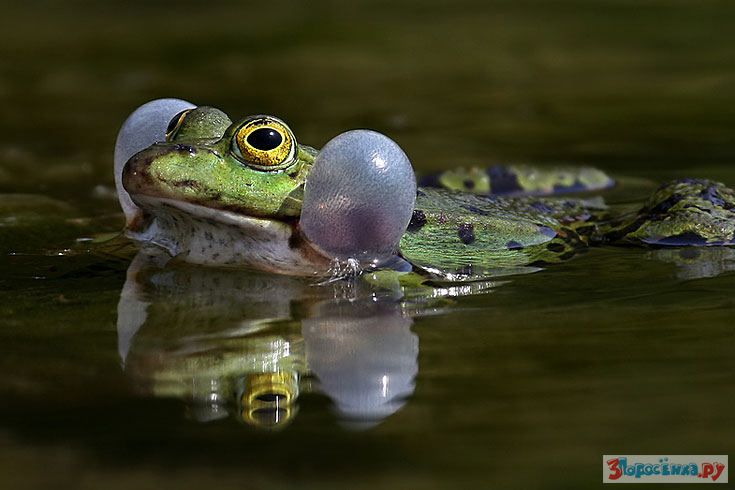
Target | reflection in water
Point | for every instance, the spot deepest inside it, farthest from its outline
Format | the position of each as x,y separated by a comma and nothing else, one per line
364,358
698,262
238,344
232,343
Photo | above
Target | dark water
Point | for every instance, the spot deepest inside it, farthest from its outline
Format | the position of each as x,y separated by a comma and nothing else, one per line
112,380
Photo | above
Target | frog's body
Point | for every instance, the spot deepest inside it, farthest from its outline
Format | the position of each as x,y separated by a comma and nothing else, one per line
218,193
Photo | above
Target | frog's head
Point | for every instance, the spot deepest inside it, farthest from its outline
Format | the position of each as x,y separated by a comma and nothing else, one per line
246,184
253,168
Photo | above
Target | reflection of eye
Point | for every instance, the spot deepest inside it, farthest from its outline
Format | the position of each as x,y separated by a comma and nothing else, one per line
265,143
175,124
268,418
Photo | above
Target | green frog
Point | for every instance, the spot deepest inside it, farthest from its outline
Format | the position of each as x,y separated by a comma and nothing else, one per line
246,194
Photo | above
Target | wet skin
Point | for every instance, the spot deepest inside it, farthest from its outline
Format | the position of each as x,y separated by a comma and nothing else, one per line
220,193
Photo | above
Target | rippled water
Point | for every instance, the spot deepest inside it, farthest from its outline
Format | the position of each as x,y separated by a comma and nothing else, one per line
121,374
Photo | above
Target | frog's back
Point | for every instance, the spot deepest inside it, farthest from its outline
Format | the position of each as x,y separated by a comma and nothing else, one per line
455,233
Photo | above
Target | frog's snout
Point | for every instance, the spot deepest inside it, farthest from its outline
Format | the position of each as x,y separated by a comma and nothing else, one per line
149,171
145,126
136,175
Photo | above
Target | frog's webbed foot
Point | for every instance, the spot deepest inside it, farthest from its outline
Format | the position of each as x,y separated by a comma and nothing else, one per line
685,212
520,180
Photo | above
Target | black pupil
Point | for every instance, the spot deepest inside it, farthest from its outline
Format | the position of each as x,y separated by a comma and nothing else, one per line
264,139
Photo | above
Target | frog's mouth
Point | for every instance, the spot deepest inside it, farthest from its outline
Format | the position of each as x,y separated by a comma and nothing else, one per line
219,237
186,217
153,206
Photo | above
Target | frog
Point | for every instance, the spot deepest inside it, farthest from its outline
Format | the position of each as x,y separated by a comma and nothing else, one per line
210,191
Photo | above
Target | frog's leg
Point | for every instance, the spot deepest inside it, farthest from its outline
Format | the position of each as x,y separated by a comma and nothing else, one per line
519,180
457,236
680,213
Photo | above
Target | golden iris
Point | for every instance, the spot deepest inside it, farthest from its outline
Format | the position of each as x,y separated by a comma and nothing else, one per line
265,143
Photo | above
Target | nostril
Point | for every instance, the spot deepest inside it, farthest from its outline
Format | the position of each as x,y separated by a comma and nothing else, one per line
185,149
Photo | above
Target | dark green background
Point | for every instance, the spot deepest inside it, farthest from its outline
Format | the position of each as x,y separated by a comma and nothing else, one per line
524,387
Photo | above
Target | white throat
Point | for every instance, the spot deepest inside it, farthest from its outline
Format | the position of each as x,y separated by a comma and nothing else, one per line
201,235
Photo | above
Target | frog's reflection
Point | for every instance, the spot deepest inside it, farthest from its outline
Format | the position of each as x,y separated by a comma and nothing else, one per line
698,262
232,343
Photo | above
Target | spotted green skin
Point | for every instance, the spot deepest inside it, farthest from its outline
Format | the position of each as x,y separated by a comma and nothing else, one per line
453,228
460,228
679,213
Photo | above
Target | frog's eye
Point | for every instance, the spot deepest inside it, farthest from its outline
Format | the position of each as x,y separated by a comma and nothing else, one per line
264,143
175,124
